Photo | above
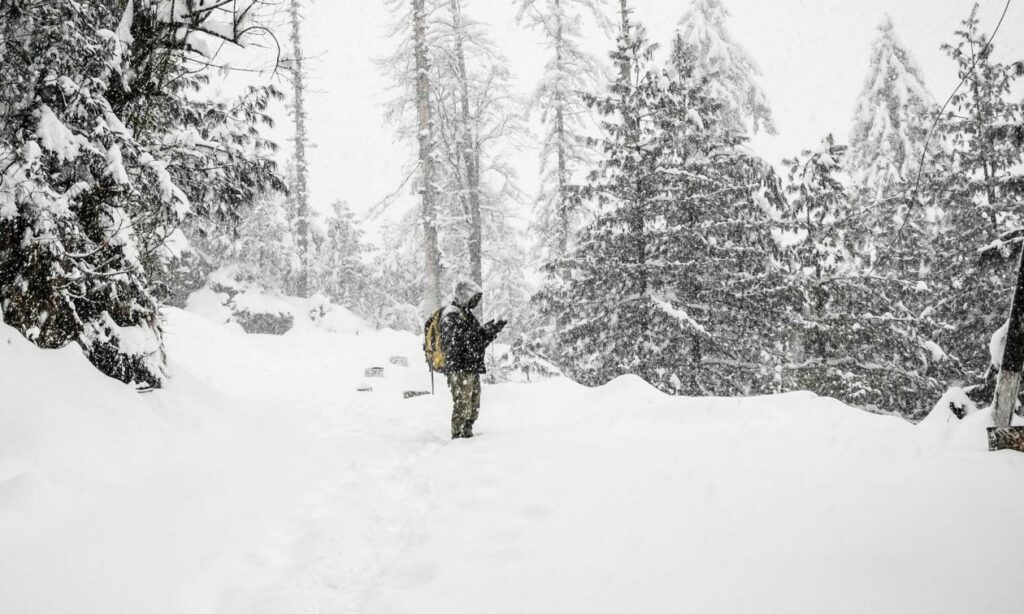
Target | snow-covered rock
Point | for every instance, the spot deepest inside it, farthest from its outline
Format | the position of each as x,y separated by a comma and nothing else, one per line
252,309
954,401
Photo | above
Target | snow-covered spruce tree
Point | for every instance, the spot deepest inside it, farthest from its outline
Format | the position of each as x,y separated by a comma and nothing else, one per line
851,335
569,72
344,277
981,196
105,153
394,290
506,262
733,73
723,250
264,252
891,120
887,146
657,284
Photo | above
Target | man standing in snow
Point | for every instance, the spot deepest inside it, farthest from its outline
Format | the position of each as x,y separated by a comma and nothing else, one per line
464,340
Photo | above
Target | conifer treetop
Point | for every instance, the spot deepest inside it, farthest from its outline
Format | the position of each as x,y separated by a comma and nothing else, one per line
732,71
890,121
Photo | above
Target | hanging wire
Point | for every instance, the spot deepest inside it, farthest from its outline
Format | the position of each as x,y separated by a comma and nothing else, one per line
927,140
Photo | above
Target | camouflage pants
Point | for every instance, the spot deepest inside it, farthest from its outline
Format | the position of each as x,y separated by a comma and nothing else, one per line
465,389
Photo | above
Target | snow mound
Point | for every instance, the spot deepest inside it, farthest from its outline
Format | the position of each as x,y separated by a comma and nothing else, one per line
60,421
970,431
629,387
943,414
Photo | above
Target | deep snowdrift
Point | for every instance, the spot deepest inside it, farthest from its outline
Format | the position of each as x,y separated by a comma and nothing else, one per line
260,481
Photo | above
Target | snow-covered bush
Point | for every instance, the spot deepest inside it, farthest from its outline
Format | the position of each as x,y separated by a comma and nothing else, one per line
75,186
522,361
105,153
341,272
393,293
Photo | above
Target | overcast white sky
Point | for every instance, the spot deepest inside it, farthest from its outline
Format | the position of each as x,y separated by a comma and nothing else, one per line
813,54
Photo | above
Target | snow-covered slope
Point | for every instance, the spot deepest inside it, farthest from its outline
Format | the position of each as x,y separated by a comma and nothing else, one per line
260,481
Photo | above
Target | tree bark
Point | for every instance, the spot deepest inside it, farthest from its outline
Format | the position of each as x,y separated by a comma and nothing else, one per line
1009,438
301,195
470,151
428,212
563,176
985,130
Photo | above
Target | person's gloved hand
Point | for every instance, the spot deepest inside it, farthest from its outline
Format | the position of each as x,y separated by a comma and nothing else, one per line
494,327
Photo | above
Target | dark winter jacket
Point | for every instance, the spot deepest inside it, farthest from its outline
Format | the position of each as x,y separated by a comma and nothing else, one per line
464,340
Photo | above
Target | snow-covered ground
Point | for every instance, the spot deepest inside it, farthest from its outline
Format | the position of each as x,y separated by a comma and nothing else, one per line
260,481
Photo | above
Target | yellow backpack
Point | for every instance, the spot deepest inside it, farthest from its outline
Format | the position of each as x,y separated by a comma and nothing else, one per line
432,342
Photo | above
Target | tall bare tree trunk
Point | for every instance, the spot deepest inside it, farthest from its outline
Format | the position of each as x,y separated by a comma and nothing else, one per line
638,214
428,213
984,129
469,150
301,167
563,174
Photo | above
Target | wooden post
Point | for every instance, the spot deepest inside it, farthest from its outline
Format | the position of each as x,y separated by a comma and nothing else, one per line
1008,382
1006,438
